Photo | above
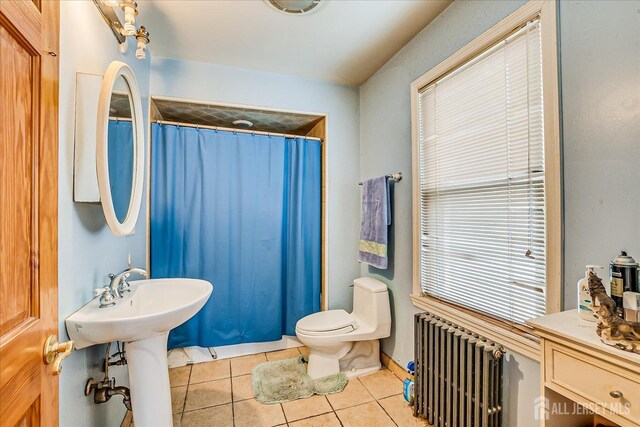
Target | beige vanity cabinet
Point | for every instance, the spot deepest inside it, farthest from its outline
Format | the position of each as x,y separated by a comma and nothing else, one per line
581,376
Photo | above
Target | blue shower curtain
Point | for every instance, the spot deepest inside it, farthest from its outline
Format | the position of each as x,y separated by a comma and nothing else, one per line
243,212
120,153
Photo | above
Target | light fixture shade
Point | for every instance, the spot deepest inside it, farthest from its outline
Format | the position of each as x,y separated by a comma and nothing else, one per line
294,6
242,123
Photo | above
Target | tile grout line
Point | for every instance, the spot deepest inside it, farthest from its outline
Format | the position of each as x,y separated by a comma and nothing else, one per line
203,382
233,406
366,403
385,397
385,411
330,405
284,414
287,422
184,404
334,410
310,416
224,403
230,376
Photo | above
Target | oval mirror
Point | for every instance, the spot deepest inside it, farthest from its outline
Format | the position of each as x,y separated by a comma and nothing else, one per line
120,148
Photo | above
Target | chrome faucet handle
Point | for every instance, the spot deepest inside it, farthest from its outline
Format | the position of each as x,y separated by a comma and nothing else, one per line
114,285
118,282
124,286
100,291
106,298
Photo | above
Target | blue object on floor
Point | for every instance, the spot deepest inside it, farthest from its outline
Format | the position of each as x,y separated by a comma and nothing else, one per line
408,390
243,212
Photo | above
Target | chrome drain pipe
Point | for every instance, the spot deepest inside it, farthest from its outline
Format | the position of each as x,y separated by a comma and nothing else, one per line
106,389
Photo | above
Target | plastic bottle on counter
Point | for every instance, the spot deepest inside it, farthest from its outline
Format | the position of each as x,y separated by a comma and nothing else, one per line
584,297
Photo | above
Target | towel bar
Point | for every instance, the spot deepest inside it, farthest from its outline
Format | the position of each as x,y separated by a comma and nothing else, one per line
395,176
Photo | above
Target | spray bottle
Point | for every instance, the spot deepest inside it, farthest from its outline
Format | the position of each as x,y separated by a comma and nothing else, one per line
584,297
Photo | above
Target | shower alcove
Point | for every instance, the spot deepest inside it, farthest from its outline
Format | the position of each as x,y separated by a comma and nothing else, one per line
265,121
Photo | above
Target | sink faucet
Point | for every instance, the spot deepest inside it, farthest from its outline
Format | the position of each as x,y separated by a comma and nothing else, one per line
119,284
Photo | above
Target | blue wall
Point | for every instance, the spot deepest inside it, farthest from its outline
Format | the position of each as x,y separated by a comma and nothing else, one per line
385,117
600,60
87,250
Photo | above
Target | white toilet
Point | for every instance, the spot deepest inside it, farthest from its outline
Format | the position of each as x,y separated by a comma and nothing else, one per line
348,342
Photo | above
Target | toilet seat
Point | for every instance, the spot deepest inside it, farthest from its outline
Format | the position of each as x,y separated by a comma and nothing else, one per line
330,322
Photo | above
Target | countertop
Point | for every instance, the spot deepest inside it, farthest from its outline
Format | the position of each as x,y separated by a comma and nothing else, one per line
568,326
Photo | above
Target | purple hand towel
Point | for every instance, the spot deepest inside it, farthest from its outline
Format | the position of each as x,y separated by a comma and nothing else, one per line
375,221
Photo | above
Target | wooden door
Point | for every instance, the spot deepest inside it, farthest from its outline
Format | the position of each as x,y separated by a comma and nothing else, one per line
28,209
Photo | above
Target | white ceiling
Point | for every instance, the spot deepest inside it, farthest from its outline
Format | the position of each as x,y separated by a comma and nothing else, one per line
344,41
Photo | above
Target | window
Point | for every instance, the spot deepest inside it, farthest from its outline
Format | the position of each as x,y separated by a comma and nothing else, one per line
486,186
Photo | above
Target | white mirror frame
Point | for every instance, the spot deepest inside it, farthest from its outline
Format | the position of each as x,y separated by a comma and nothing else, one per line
115,70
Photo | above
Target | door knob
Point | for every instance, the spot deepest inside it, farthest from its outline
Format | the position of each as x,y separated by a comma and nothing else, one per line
56,352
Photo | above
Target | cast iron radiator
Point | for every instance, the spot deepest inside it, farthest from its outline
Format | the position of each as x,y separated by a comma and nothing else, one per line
458,381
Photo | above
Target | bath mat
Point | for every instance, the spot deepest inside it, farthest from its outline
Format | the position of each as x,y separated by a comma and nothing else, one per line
286,380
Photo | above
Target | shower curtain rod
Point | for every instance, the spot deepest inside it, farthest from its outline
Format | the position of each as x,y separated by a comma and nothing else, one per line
255,132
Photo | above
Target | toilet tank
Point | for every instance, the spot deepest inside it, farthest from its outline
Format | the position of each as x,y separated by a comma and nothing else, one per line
371,303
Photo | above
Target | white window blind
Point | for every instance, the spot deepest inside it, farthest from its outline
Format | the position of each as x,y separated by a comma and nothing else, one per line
482,182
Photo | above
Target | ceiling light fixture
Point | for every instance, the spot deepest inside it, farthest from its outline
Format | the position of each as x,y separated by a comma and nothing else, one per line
112,3
143,40
242,123
130,8
120,30
295,7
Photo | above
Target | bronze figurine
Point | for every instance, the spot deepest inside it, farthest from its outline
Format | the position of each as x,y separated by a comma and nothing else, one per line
612,329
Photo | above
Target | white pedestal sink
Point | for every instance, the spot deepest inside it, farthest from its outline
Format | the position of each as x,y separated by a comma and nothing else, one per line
143,319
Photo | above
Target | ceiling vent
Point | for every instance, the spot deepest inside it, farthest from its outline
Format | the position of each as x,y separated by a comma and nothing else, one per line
294,7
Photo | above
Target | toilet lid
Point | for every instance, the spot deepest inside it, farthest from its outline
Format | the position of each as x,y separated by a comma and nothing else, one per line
330,321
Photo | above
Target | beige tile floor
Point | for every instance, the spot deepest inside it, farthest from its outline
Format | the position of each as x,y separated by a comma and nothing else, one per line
219,394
